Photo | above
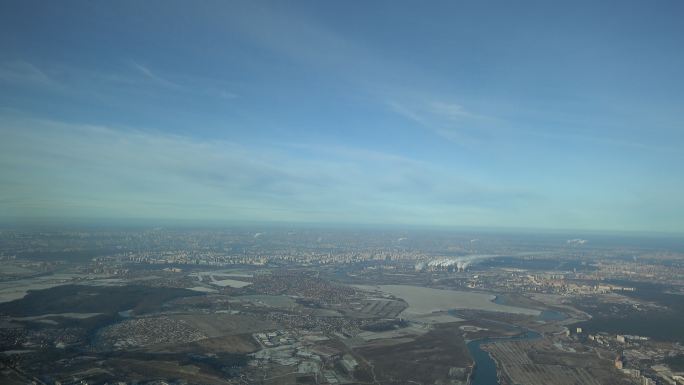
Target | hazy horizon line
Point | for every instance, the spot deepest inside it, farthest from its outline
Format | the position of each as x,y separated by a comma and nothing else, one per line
185,223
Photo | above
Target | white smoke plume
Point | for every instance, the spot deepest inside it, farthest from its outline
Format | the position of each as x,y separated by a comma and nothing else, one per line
448,263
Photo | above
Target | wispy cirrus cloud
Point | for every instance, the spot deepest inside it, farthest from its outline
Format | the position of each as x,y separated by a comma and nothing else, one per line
23,72
130,77
154,77
53,167
403,89
380,79
449,120
452,111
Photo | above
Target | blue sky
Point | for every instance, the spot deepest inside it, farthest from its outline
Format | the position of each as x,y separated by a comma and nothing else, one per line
550,115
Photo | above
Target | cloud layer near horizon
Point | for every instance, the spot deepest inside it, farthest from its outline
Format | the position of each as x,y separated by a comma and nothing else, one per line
67,171
58,169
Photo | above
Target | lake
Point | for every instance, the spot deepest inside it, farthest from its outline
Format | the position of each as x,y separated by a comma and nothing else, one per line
425,300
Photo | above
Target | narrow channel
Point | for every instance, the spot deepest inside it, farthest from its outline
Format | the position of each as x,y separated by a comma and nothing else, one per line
484,372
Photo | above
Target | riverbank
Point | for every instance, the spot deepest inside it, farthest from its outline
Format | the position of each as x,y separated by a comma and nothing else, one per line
486,370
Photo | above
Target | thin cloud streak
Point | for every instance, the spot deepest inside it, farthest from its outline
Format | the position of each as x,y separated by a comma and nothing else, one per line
123,169
132,76
24,73
154,77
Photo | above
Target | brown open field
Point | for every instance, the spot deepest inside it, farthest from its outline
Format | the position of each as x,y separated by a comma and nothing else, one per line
219,325
426,359
10,377
538,363
150,370
243,343
382,308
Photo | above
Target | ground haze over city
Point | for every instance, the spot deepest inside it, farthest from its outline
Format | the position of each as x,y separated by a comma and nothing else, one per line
301,305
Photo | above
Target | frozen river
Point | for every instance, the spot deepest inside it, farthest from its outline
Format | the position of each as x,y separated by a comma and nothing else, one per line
425,300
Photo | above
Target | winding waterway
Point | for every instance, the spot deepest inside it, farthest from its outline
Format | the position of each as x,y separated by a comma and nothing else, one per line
545,315
484,372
